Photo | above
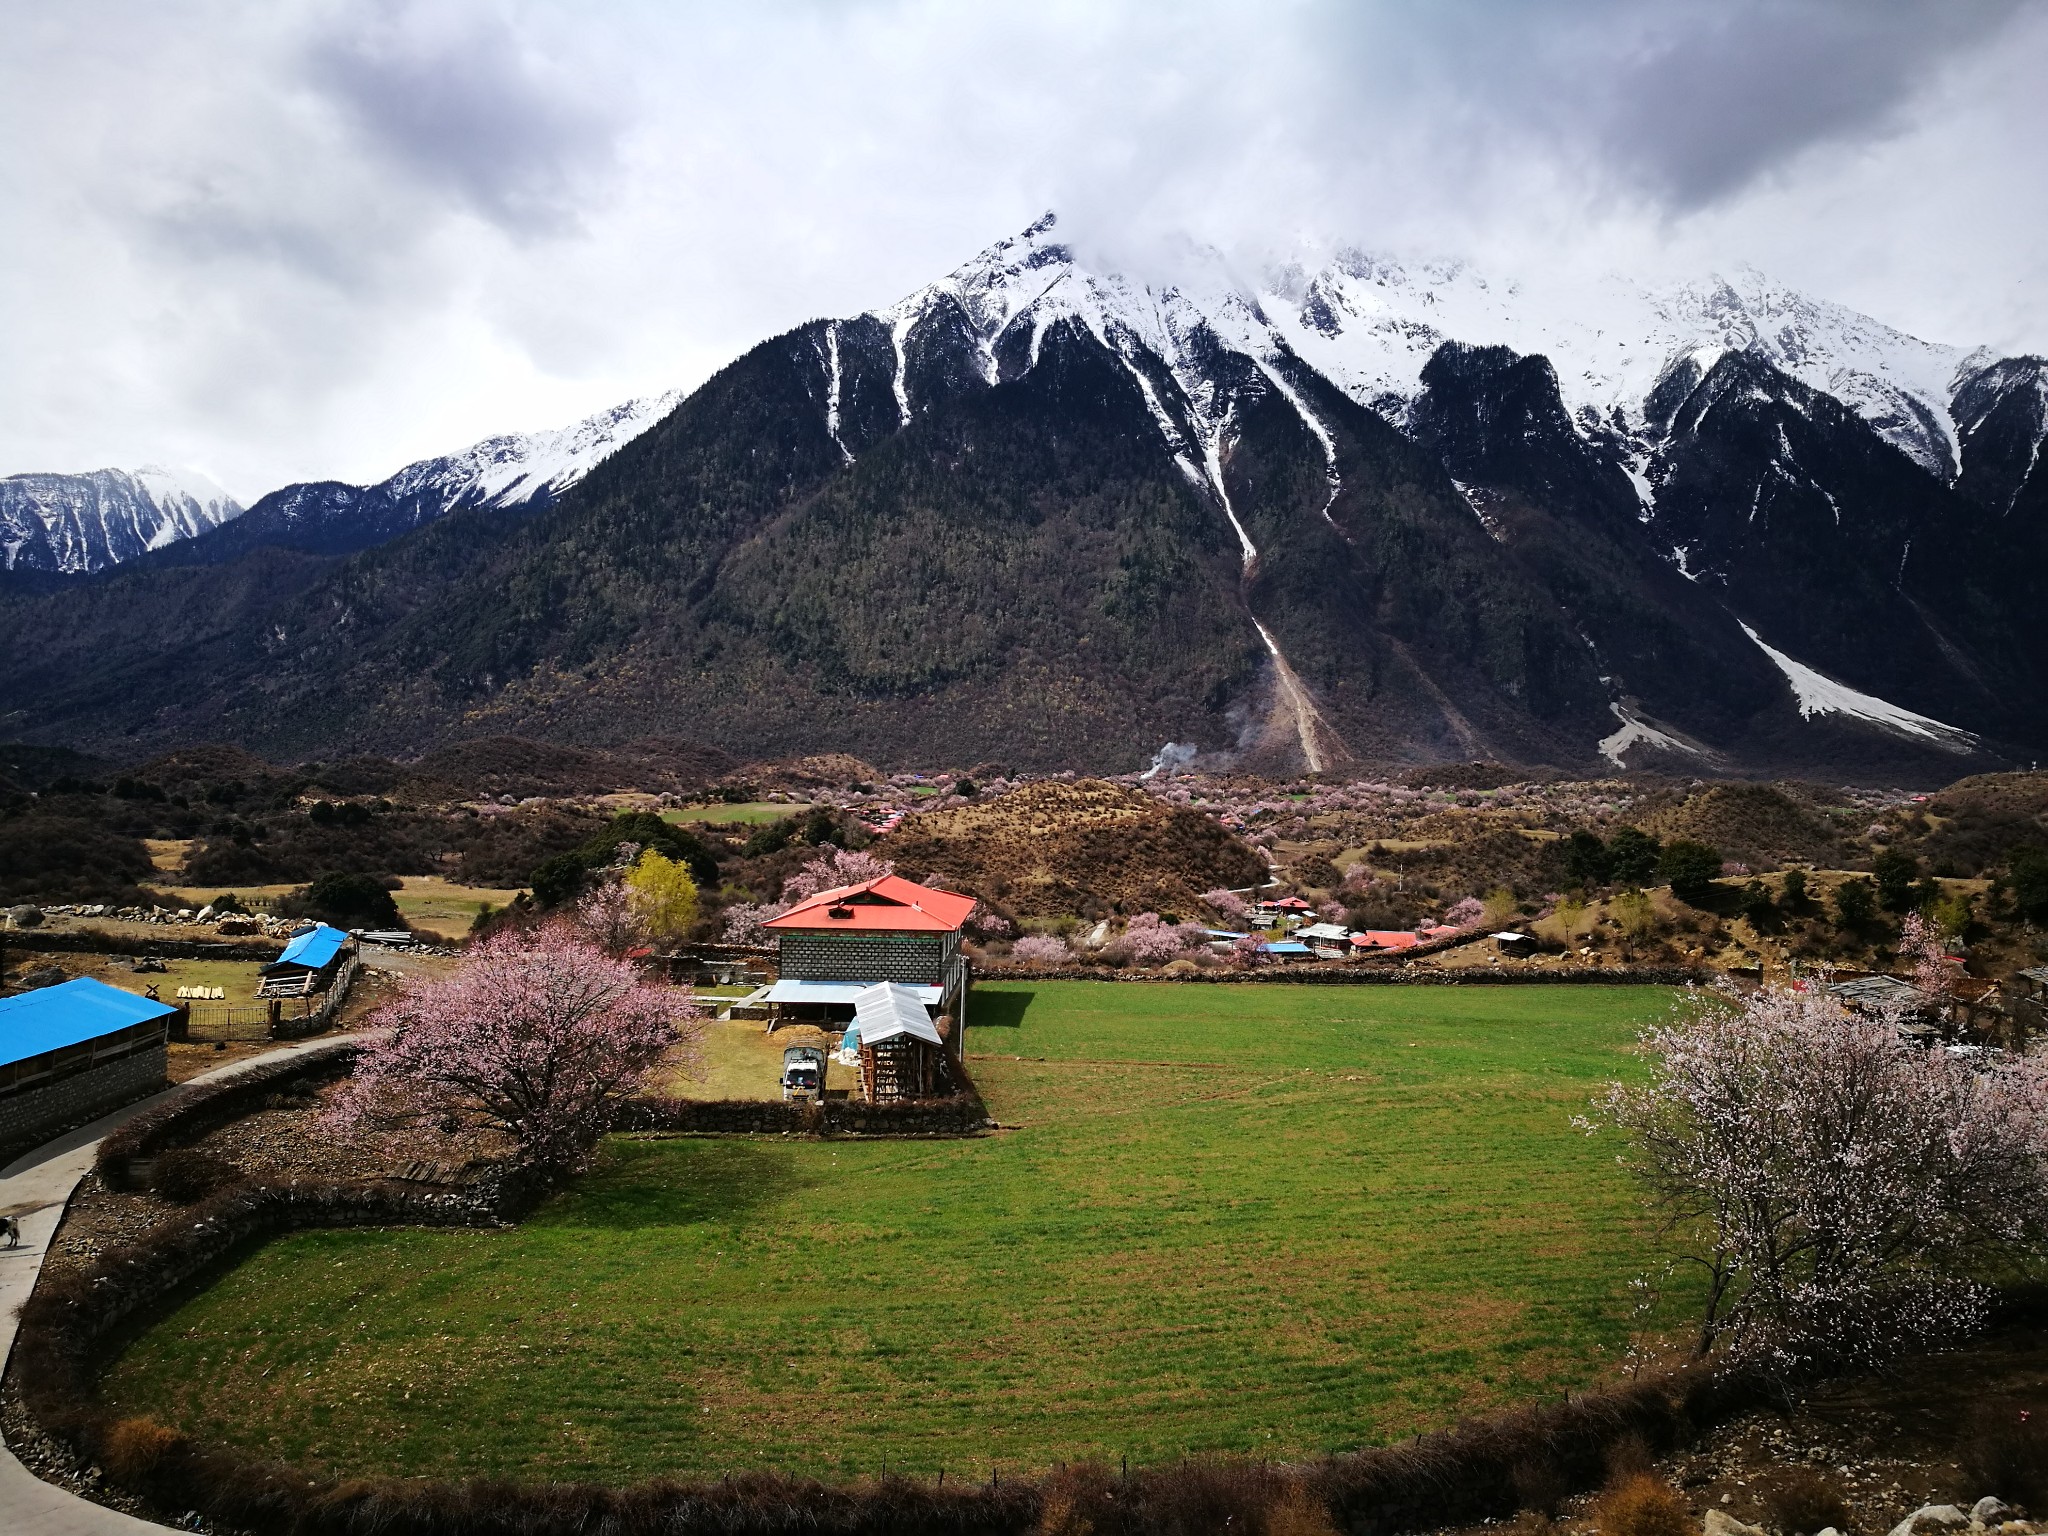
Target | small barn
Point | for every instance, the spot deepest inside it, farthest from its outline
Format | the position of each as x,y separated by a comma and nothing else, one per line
901,1051
309,964
74,1051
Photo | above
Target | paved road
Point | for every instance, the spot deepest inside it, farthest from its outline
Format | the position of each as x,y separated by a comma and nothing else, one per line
37,1187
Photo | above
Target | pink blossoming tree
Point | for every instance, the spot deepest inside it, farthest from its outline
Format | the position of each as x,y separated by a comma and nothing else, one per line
1152,940
832,868
606,916
540,1033
1469,913
1227,905
1041,949
1839,1186
743,920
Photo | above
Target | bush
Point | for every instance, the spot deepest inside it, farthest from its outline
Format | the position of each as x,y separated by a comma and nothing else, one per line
1855,904
185,1175
1645,1505
1689,869
1632,856
135,1448
1801,1501
348,901
2006,1453
1793,897
1896,870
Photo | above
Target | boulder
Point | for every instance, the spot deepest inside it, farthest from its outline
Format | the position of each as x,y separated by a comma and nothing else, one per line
235,927
25,917
206,915
44,976
1930,1518
1720,1523
1991,1510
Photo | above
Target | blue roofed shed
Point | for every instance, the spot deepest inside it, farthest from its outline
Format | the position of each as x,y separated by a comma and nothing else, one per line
308,964
73,1051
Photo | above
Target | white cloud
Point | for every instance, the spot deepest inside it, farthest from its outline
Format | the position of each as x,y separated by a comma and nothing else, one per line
279,241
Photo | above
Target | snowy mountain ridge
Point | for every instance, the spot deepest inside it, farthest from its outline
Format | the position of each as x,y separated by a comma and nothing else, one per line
1369,324
80,523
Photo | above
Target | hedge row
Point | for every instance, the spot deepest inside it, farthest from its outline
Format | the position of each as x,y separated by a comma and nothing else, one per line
960,1115
1478,1471
97,941
202,1107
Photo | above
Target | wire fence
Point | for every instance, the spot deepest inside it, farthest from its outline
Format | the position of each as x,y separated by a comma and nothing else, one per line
282,1018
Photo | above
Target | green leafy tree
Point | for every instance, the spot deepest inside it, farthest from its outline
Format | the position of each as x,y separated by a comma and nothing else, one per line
1855,904
1689,869
663,895
1587,862
1758,906
2027,879
1631,856
1793,898
1896,870
351,900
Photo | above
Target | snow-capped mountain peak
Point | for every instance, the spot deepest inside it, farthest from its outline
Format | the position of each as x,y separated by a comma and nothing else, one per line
80,523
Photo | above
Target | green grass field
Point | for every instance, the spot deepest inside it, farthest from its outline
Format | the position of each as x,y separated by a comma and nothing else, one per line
1266,1220
738,812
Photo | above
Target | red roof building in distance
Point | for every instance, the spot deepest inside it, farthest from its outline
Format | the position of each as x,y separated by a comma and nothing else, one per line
889,904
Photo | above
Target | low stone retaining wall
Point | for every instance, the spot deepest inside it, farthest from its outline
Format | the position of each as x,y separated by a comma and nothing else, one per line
1357,973
184,1118
960,1115
95,941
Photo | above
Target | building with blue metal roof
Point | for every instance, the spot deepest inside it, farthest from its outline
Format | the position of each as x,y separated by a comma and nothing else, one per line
74,1051
308,964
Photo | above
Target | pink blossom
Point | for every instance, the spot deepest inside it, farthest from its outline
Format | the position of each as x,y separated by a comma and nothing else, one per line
1840,1186
832,868
1469,913
540,1033
743,920
1152,940
606,917
1041,949
1227,905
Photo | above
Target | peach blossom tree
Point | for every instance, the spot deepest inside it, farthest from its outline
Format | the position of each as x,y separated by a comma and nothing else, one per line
539,1033
1839,1185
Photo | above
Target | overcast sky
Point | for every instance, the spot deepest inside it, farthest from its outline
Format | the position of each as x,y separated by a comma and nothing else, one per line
275,241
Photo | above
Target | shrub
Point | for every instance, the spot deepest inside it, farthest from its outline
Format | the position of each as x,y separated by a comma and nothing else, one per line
1689,869
350,901
1645,1505
1855,904
1801,1501
1793,897
1041,949
2005,1452
135,1448
184,1175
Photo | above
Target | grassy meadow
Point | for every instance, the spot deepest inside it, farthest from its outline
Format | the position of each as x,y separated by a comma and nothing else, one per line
1268,1220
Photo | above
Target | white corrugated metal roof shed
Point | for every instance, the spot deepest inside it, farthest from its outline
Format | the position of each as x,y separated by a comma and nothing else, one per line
889,1009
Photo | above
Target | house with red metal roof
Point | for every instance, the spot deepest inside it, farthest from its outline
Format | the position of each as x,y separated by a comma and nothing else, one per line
834,945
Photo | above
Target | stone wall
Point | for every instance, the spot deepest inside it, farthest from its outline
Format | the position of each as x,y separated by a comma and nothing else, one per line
959,1115
32,1115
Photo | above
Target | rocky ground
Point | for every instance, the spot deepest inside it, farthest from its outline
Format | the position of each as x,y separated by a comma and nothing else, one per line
1909,1451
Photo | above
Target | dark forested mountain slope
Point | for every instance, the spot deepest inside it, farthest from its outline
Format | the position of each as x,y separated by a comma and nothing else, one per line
1030,516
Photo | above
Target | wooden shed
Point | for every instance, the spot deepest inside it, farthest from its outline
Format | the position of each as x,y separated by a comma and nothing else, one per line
902,1052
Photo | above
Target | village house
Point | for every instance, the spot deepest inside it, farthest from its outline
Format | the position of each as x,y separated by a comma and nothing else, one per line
836,944
76,1050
